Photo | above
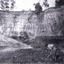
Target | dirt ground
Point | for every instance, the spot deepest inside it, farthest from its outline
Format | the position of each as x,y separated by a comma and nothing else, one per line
36,55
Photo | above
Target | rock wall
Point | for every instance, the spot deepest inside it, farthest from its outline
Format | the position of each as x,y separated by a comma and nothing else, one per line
12,23
49,23
53,22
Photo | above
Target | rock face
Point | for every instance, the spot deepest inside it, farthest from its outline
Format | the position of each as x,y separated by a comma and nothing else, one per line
12,23
53,22
48,23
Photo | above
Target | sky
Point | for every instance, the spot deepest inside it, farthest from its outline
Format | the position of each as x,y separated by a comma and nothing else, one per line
28,4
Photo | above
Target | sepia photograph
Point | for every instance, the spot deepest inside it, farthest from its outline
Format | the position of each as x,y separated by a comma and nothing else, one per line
31,32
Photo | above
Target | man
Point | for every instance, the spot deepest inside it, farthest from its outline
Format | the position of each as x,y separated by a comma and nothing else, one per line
54,53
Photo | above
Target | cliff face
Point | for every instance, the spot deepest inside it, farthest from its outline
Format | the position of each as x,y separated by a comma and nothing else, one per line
13,23
48,23
54,22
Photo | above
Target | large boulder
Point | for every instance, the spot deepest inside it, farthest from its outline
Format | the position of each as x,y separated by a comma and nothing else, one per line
9,44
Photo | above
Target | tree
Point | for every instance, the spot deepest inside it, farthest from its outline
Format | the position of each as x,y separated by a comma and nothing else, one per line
45,3
7,4
59,3
38,8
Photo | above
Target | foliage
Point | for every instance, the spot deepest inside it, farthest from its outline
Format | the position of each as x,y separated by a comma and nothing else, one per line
45,3
7,4
59,3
